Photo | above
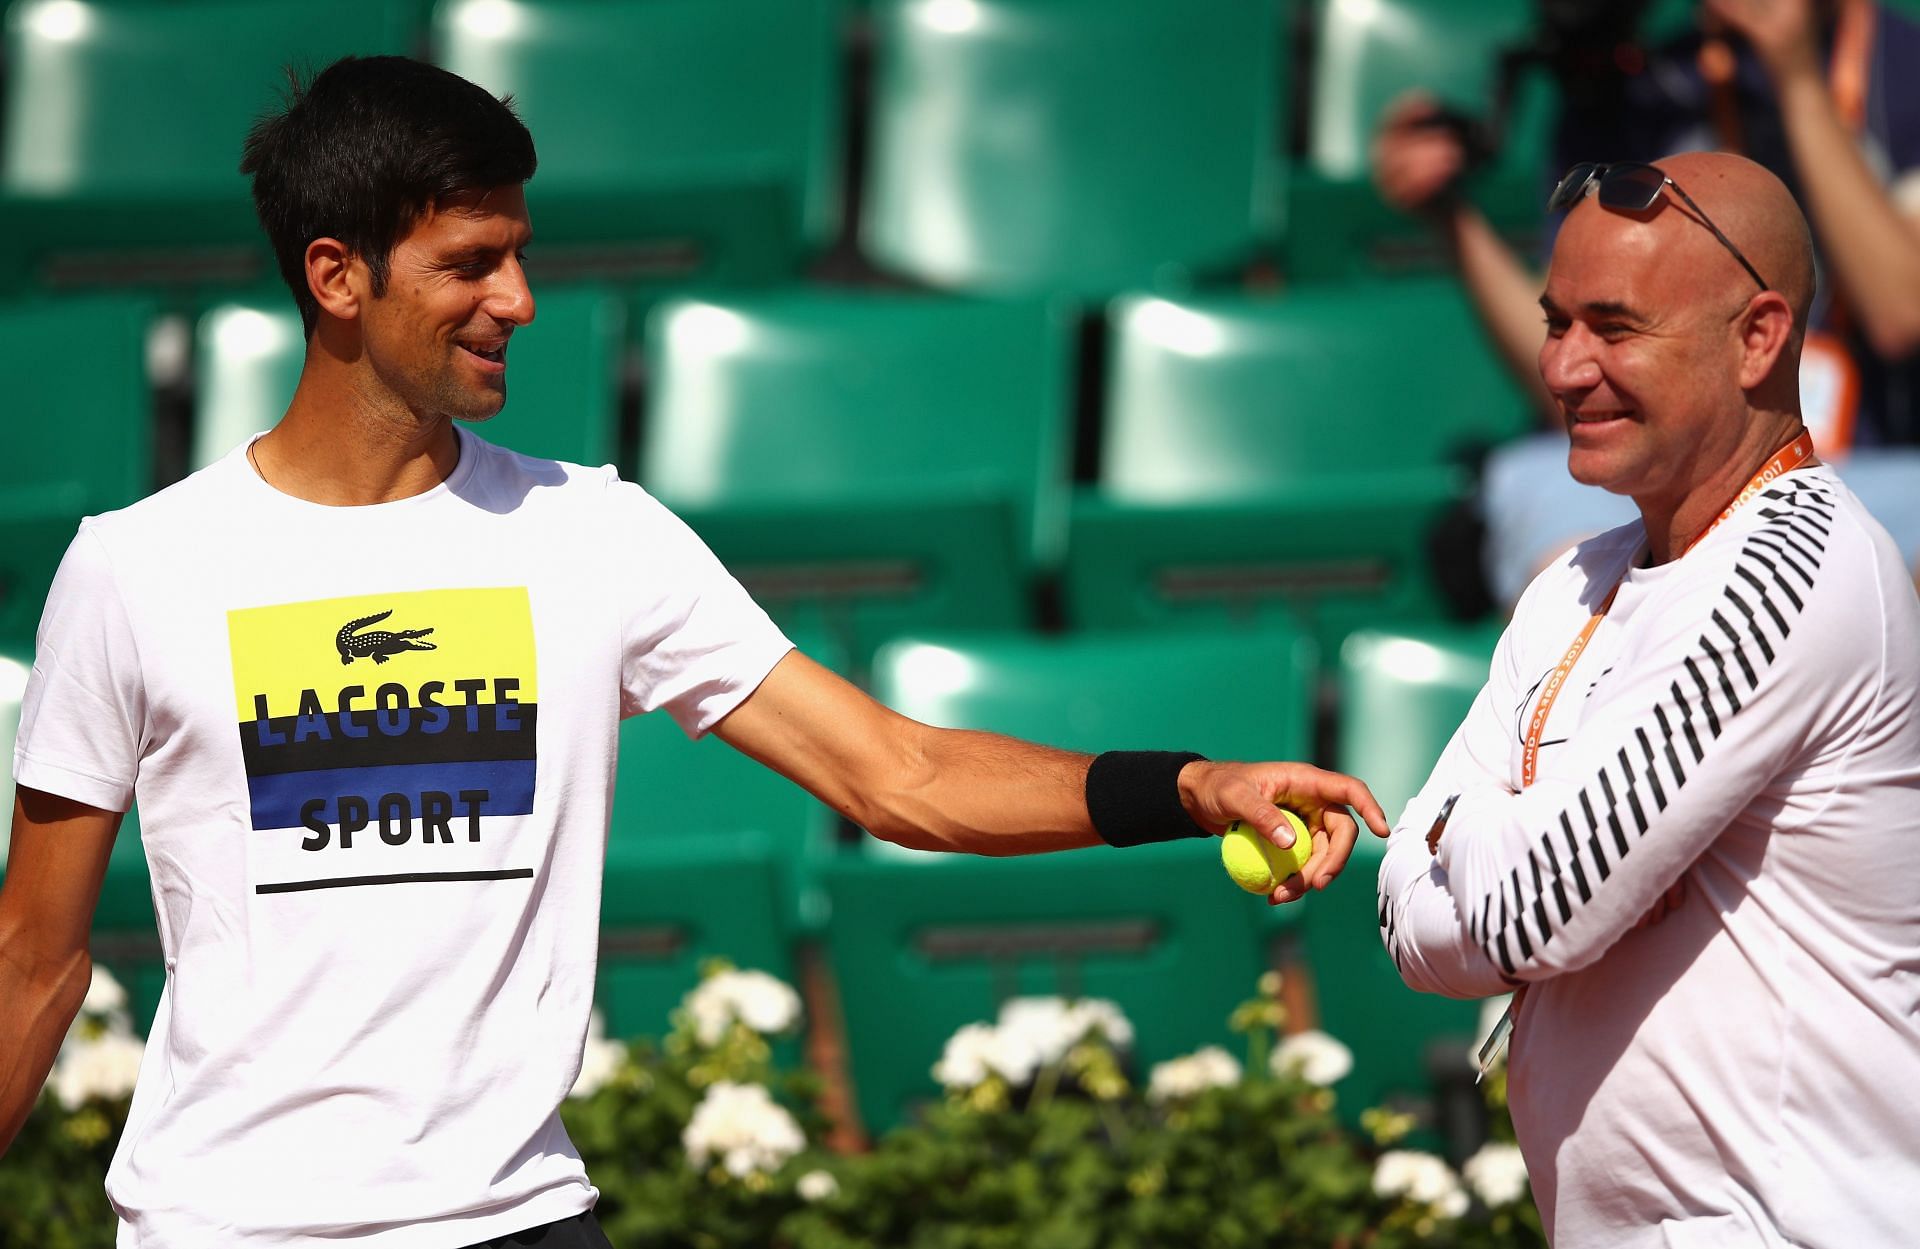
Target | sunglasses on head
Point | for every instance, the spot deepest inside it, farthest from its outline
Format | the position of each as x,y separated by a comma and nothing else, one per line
1631,187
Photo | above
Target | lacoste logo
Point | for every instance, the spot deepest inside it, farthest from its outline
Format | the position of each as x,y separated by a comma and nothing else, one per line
377,645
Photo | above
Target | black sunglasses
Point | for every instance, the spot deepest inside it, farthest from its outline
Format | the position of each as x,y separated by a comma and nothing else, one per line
1631,186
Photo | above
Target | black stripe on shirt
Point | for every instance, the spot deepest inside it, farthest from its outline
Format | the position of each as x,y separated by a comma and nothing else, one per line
1794,534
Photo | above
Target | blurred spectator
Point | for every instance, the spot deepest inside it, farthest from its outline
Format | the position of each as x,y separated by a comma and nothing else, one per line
1826,93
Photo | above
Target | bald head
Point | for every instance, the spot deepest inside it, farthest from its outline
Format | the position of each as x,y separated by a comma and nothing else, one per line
1675,370
1756,212
1682,264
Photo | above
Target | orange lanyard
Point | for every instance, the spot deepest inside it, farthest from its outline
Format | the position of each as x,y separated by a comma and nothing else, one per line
1785,460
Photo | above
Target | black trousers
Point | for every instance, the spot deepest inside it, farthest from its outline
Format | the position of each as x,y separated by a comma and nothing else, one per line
578,1232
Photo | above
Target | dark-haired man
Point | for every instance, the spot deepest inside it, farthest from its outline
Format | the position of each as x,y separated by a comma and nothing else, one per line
1682,814
365,675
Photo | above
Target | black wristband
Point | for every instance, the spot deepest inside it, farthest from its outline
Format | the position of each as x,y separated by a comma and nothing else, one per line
1133,797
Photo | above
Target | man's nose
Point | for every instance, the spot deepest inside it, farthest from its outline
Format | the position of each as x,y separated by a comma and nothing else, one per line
511,298
1568,362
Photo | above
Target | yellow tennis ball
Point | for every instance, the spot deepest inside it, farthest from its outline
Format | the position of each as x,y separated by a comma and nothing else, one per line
1256,864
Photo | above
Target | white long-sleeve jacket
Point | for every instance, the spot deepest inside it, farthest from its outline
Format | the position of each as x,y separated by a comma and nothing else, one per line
1746,720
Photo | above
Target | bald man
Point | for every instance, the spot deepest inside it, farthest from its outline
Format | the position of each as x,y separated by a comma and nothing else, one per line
1683,816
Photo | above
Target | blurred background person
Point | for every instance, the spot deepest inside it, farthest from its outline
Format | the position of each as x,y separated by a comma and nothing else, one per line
1824,94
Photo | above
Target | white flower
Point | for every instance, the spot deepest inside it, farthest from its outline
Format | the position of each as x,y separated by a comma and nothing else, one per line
1097,1014
104,994
1314,1056
817,1186
764,1003
1497,1173
1052,1025
1421,1178
105,1066
980,1050
744,1128
1178,1078
599,1059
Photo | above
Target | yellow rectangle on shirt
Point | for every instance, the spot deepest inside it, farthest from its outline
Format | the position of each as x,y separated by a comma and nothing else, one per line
370,639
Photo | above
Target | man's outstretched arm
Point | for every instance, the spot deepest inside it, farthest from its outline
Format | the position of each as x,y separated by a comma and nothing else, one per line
54,868
981,793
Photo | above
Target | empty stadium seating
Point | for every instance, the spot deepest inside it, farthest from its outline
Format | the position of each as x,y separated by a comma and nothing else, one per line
77,437
1282,456
865,463
1073,145
123,124
678,139
710,855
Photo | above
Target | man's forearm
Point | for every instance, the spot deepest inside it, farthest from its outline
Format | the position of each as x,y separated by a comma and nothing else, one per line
38,1003
982,793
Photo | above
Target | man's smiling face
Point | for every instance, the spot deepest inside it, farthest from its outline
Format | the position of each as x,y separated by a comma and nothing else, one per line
456,291
1640,352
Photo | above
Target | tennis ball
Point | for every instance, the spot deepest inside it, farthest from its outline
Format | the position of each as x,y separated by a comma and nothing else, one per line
1256,864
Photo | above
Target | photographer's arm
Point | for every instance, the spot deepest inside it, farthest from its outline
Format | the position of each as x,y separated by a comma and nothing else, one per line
1415,166
1507,296
1873,249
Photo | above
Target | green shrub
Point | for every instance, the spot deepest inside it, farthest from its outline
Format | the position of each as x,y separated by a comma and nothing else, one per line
699,1141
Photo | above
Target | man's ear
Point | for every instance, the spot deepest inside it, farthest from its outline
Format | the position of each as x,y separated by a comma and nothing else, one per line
337,278
1765,328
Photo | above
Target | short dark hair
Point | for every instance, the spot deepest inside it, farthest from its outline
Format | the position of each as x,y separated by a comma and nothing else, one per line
366,147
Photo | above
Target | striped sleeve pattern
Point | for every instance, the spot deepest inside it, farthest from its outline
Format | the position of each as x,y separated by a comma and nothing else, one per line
1772,578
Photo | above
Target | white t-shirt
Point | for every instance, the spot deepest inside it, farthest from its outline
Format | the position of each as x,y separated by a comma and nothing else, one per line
1745,721
374,753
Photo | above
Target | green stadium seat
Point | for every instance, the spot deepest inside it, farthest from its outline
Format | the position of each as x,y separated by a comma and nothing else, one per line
1366,53
921,944
866,464
248,356
1084,146
123,127
1283,456
77,438
673,789
563,378
688,814
917,954
1403,692
666,909
678,139
1241,694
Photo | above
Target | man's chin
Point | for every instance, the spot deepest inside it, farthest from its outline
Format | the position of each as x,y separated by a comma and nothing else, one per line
477,408
1590,471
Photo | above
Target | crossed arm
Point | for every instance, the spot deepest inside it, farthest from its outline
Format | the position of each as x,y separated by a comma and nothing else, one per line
1526,885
